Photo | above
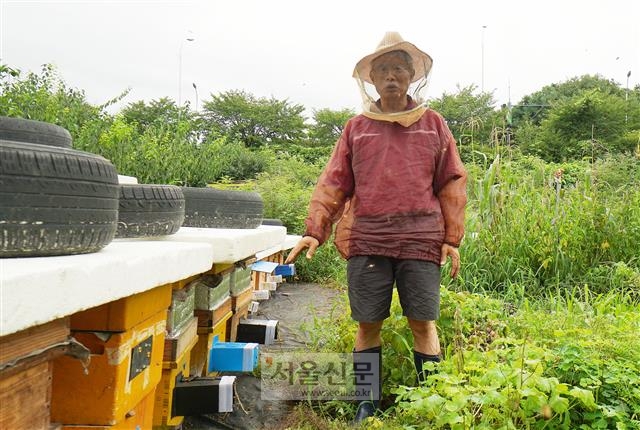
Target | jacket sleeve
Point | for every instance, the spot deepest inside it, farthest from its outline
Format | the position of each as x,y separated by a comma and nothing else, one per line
332,191
450,186
453,199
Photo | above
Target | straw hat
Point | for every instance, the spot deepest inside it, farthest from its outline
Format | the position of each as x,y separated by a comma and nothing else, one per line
392,41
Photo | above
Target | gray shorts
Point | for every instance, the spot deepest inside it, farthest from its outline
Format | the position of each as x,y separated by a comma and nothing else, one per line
371,279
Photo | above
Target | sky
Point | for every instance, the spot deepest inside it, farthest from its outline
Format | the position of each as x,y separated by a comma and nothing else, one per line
305,51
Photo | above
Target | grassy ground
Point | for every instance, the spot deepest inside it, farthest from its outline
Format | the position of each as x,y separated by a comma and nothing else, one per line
561,362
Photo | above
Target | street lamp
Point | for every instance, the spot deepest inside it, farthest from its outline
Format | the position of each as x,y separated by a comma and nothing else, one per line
196,88
626,99
482,49
188,39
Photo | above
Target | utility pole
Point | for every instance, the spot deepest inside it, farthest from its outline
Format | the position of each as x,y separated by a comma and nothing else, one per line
189,38
509,118
626,100
196,88
482,50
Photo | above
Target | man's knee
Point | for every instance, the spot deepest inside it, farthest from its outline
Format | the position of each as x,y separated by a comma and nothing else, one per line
370,328
368,335
422,328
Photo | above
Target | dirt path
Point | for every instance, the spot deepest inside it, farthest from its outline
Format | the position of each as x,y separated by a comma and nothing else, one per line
294,305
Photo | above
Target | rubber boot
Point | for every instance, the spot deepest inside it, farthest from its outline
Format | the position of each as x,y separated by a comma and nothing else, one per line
419,359
367,408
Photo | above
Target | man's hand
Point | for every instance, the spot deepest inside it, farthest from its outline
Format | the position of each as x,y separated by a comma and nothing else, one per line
306,242
450,251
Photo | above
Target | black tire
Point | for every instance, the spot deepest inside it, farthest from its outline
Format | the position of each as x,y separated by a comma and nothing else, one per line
211,208
55,201
271,221
30,131
149,210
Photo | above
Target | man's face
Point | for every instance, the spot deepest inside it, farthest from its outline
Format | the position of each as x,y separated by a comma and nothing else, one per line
391,74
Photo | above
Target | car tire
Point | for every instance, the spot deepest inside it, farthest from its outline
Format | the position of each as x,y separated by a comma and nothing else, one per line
55,201
149,210
212,208
30,131
271,221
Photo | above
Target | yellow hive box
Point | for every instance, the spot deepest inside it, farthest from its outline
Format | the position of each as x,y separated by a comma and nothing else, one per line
222,268
121,315
200,352
162,411
124,368
140,417
178,285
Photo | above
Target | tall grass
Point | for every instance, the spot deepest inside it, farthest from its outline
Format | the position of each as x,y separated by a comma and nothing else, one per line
546,227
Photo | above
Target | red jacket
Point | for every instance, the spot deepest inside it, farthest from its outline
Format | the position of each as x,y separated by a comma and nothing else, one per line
392,190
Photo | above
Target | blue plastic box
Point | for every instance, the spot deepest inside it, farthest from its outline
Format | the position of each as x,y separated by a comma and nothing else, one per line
233,357
285,270
274,268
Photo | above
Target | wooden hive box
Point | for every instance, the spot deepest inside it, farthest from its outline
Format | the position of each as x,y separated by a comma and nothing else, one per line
172,371
26,374
140,417
209,317
177,343
181,309
241,311
240,280
258,278
124,368
121,315
211,290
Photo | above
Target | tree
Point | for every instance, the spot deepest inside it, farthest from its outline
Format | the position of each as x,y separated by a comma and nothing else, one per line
470,116
254,121
45,97
163,111
586,125
327,126
8,71
535,107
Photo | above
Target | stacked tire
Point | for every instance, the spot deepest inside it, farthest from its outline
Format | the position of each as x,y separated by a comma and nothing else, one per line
53,200
213,208
29,131
149,210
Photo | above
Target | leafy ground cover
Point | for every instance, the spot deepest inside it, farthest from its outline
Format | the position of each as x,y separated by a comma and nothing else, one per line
560,362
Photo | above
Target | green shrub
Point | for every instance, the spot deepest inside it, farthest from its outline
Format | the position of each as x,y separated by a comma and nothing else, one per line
233,160
286,190
616,172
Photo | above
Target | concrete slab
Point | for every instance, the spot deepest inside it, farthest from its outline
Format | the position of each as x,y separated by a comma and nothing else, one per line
230,245
37,290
